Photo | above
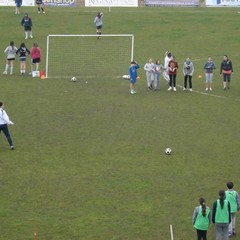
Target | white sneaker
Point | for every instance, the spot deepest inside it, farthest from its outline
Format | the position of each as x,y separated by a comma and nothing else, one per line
170,88
210,89
190,89
31,36
4,72
132,92
206,89
174,89
26,37
184,89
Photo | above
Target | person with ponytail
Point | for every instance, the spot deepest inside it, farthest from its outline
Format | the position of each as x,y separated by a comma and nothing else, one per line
201,219
221,216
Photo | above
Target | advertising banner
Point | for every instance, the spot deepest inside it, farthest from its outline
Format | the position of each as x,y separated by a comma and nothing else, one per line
111,3
171,2
12,2
59,3
223,3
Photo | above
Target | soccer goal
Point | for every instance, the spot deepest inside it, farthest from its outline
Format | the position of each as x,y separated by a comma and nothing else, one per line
87,56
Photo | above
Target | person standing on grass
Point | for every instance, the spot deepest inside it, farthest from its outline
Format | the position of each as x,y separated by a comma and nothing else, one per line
99,23
233,197
40,6
201,219
10,51
157,69
4,122
188,70
221,216
172,71
209,66
23,52
226,69
18,6
167,59
36,56
27,24
149,67
133,76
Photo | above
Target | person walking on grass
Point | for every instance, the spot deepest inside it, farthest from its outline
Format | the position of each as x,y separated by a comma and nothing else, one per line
188,70
201,219
36,56
99,23
10,51
27,24
23,52
133,76
18,4
172,71
4,122
167,59
157,69
209,66
233,198
40,6
221,216
149,67
226,70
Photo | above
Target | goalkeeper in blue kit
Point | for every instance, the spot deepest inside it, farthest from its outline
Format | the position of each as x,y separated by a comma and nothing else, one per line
133,75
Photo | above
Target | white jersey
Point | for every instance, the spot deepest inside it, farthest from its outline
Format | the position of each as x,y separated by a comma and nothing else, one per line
11,52
166,62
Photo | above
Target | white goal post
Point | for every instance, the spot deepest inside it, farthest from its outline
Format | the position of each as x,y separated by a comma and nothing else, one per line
87,56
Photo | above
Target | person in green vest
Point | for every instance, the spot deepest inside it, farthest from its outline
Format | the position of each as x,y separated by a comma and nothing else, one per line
233,197
201,219
221,216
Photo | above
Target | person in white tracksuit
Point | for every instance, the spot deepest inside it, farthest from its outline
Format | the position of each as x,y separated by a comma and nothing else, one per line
168,57
149,67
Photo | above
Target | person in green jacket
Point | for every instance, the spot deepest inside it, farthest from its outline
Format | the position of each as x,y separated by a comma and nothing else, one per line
221,216
233,197
201,219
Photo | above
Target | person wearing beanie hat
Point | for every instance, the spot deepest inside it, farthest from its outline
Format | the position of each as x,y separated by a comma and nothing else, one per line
27,24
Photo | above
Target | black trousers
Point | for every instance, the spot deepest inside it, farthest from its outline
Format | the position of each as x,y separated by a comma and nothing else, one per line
172,82
186,78
201,235
4,128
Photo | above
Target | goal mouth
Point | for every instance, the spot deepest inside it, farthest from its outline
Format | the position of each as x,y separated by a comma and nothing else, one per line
87,56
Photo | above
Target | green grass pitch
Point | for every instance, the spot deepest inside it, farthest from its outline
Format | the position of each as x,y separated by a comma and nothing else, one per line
89,162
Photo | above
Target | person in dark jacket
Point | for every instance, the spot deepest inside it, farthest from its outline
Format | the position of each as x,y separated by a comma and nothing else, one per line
226,69
27,24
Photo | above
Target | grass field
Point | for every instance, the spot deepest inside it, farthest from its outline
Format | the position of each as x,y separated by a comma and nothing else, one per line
89,161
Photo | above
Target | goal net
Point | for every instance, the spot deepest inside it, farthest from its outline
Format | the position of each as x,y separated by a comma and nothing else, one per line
88,56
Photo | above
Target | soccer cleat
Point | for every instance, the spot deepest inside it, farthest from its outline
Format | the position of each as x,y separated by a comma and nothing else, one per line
31,36
132,92
190,89
206,89
210,89
174,89
38,12
12,147
5,72
184,89
170,88
26,37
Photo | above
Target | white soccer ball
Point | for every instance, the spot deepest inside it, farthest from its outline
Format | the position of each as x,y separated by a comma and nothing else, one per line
127,77
168,151
73,79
